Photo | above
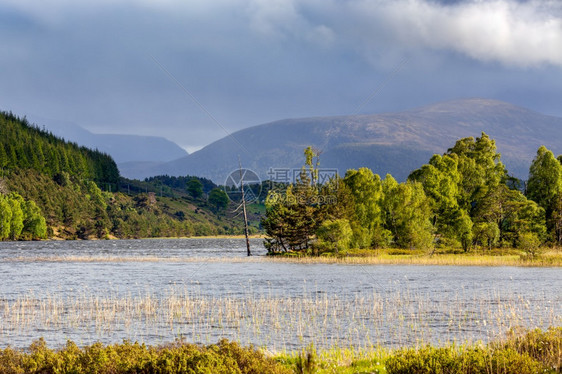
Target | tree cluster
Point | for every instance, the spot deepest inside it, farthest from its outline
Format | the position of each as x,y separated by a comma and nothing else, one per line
463,198
183,182
23,146
20,219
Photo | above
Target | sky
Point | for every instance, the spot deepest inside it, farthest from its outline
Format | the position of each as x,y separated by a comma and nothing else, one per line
194,71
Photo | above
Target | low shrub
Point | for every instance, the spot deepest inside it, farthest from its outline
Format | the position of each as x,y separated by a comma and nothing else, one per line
543,346
534,352
128,358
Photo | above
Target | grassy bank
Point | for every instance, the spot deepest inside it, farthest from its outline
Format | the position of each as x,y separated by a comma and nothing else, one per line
532,352
497,257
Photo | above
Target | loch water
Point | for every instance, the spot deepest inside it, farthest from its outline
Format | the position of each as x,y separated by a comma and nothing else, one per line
200,290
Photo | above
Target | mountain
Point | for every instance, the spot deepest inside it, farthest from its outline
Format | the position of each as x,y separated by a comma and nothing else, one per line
394,143
123,148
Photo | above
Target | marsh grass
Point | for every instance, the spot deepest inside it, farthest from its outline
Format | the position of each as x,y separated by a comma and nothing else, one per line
509,257
360,322
518,352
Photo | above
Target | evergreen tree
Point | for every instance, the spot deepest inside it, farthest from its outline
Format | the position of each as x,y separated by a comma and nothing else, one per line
294,215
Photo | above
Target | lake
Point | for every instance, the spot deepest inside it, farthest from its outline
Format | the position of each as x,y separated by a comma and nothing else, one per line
200,290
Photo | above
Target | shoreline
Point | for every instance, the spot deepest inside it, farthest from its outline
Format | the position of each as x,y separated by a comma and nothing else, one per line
551,257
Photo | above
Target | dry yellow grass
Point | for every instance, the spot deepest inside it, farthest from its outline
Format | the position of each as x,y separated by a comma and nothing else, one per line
548,259
552,258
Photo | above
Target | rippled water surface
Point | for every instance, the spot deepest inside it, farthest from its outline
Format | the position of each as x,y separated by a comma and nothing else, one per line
200,290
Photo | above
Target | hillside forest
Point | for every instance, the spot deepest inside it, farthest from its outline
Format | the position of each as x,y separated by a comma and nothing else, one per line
50,188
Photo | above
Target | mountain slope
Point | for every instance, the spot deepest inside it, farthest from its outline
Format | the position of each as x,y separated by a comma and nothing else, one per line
51,187
393,143
122,148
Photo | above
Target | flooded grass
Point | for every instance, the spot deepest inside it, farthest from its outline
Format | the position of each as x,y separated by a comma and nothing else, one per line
548,259
360,322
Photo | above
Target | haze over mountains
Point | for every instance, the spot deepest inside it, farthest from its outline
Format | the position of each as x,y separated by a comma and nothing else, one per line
394,143
123,148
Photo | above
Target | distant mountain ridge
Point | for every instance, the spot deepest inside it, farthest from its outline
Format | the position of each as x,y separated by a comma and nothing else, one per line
123,148
394,143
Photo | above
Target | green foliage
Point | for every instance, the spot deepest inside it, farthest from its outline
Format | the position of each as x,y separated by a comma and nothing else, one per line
224,357
294,215
194,188
218,199
530,244
34,224
407,214
542,346
181,182
486,234
81,210
61,188
460,199
20,219
334,235
5,218
307,361
450,360
472,200
16,224
545,178
479,167
534,352
367,222
510,212
545,188
23,146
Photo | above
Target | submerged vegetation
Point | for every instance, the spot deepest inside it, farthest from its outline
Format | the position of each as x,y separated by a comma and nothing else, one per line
390,316
463,199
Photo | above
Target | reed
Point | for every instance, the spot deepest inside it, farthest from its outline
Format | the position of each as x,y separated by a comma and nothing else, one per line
551,258
281,323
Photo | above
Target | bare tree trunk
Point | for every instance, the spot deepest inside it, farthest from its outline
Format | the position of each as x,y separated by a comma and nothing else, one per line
244,210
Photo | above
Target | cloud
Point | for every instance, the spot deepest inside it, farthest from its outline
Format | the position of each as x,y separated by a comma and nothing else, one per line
513,33
252,61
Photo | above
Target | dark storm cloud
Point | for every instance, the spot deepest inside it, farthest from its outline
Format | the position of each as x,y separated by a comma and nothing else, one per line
251,61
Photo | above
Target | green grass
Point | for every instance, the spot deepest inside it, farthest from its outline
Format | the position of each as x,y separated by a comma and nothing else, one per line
531,352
